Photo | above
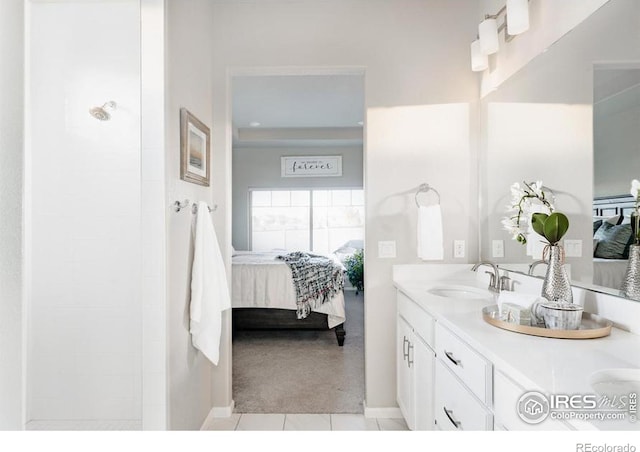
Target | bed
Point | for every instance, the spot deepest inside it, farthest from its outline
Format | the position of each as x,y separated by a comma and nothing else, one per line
264,297
611,239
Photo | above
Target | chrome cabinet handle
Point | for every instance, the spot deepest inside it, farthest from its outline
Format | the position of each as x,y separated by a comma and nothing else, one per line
405,353
409,360
449,414
451,358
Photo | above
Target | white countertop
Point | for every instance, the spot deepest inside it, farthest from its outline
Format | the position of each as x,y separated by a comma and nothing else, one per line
552,366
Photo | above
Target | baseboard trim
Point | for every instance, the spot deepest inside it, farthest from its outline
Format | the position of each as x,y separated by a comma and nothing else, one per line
382,413
218,412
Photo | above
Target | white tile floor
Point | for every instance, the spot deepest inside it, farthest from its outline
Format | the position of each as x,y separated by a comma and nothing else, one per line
303,422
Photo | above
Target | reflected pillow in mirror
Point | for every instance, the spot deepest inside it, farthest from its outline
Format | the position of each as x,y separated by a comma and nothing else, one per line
596,226
613,241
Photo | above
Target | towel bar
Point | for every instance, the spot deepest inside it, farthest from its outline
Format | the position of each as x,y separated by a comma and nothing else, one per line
178,206
423,188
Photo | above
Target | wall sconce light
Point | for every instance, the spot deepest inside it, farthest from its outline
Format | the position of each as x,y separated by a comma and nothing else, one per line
516,21
479,61
518,13
488,32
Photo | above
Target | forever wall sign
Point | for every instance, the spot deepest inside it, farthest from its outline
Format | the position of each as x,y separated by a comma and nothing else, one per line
310,166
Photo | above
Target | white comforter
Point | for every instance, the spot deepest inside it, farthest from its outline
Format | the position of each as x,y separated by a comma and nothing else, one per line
261,281
609,272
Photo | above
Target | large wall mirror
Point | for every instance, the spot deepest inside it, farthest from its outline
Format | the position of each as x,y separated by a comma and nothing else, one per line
571,119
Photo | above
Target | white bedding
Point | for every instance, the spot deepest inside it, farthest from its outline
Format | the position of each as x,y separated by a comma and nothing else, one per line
609,272
259,280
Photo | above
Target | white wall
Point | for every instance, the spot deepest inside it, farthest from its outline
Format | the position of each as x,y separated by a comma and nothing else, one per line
189,47
154,211
84,258
11,182
616,143
260,168
419,112
549,20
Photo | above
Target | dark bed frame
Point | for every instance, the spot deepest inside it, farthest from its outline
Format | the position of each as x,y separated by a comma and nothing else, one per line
282,319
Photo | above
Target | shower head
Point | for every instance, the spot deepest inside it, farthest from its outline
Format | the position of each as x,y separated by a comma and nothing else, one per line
102,113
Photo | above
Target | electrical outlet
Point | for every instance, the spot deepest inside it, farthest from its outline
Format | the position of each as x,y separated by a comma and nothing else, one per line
497,248
458,248
573,248
387,249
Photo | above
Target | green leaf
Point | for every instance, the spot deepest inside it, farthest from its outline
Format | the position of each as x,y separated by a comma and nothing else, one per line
537,222
555,227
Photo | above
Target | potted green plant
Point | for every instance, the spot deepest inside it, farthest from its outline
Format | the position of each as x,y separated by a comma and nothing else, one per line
355,270
552,226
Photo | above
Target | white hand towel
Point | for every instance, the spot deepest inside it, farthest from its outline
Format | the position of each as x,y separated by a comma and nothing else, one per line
525,300
209,289
430,242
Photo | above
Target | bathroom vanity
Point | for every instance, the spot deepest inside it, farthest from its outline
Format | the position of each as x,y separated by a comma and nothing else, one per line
455,371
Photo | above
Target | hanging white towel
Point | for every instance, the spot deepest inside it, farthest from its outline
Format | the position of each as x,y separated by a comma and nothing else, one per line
209,289
430,241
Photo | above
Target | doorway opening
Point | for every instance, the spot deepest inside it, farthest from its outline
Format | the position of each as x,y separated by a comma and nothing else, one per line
298,206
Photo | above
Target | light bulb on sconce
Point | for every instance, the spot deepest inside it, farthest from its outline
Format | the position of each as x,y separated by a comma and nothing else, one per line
518,16
488,32
479,61
515,21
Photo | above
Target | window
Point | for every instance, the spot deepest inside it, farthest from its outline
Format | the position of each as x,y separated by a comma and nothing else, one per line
319,221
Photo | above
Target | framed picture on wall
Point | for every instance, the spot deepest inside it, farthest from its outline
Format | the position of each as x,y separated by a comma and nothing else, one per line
195,149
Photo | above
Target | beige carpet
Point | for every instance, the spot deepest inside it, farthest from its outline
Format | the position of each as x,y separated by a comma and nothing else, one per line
301,371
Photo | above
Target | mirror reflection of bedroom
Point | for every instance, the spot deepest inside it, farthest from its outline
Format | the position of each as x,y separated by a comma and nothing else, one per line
298,243
616,109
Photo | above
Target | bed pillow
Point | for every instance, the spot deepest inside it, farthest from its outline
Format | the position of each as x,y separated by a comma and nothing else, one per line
596,225
615,220
613,241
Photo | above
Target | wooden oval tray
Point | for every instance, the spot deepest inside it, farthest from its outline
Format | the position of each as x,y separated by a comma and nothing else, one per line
593,326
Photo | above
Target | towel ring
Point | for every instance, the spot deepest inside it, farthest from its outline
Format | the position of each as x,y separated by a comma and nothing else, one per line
423,188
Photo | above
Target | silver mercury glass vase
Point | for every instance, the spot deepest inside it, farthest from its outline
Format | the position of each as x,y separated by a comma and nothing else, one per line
631,284
556,286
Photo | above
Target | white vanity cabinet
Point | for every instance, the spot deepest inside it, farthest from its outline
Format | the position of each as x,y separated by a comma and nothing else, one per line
463,384
415,360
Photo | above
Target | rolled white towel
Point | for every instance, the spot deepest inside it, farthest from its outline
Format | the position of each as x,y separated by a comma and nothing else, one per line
525,300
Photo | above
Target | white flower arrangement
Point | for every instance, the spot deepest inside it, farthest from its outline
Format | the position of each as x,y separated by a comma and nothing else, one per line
522,200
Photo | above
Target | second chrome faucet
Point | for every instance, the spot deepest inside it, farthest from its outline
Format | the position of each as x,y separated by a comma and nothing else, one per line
496,282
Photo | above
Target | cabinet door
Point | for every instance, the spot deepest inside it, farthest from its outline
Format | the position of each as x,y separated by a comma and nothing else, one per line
404,372
423,368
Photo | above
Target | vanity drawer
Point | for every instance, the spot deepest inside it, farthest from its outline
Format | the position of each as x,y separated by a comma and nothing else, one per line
506,394
455,407
418,318
471,367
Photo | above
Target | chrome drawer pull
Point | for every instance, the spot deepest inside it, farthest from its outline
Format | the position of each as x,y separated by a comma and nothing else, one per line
409,360
451,358
449,414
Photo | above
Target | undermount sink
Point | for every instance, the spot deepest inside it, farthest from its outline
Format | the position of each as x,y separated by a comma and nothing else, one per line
616,382
465,292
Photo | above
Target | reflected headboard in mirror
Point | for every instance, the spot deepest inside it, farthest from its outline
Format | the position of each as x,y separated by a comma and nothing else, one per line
610,206
611,239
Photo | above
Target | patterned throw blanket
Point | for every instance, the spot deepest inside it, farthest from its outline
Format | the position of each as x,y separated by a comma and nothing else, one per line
316,279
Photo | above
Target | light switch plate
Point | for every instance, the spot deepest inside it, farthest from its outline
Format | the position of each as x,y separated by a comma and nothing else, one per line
387,249
497,248
573,248
458,248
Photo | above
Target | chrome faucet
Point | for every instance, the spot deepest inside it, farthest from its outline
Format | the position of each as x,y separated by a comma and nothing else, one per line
534,265
495,282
